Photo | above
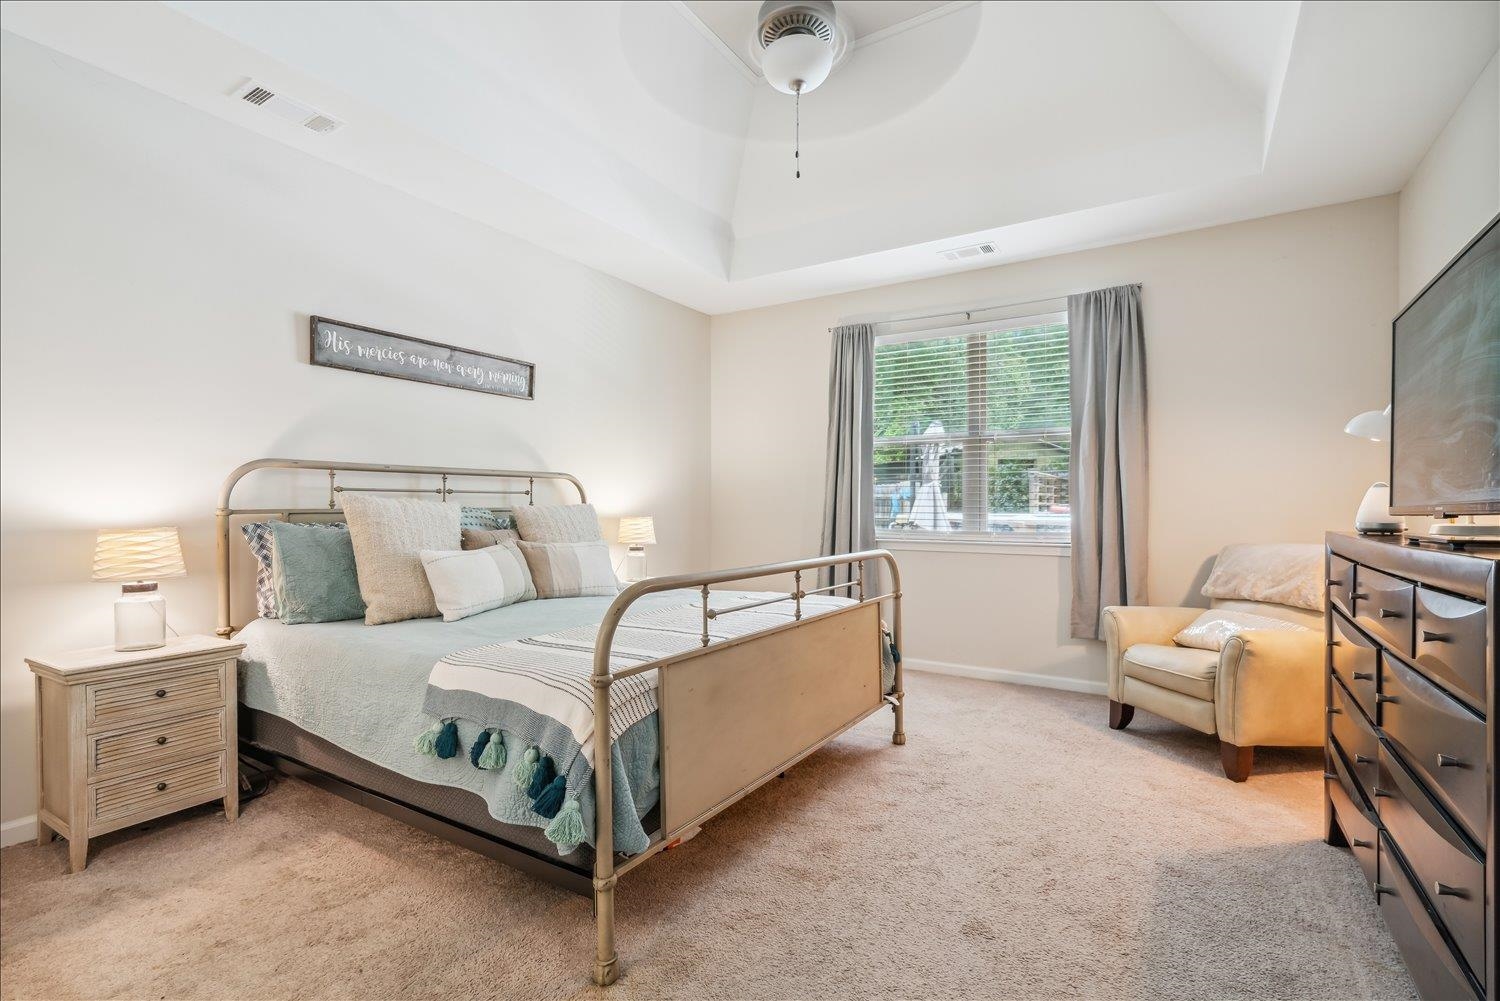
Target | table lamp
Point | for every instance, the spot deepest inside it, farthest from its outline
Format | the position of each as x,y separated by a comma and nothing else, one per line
139,557
637,532
1374,515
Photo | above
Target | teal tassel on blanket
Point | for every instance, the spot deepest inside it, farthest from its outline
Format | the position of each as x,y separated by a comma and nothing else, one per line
446,745
493,757
477,748
525,767
545,772
551,798
427,739
566,830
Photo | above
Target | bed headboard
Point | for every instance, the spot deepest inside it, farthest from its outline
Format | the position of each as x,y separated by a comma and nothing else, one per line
431,480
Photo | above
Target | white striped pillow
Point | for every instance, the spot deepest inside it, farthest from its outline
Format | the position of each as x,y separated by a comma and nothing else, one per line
468,581
570,569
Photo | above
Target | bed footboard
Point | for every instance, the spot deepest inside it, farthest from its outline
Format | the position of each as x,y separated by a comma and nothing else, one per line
736,713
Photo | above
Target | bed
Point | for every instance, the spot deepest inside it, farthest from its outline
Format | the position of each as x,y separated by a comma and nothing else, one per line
764,679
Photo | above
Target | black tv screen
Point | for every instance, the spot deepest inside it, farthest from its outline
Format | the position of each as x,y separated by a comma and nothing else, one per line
1445,389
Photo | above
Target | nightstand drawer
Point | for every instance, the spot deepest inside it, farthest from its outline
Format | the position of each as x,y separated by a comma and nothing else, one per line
157,695
146,743
148,792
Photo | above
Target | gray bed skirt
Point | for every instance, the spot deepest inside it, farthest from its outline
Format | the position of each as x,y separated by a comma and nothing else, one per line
267,733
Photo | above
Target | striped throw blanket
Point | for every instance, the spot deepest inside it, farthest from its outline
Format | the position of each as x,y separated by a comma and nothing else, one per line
534,698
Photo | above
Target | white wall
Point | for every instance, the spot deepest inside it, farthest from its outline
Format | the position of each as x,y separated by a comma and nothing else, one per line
159,267
1455,190
1262,338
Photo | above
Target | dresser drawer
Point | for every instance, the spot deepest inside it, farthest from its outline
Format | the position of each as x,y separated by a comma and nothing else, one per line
1341,583
1355,821
197,778
157,695
1354,660
1439,738
1383,607
1450,643
1433,967
157,740
1355,735
1446,866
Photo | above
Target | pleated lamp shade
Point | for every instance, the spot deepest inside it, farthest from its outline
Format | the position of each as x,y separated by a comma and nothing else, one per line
638,530
138,554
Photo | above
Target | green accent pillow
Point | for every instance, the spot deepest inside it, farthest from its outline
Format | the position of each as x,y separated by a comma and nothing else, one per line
313,574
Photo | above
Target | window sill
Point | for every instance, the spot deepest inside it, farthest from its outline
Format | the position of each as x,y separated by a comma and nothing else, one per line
933,545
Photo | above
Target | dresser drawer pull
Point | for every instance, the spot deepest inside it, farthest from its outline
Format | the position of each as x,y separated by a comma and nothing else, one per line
161,787
1364,676
1363,759
1362,844
161,693
1335,642
1335,582
1449,761
1386,698
1428,636
1444,890
162,739
1382,793
1335,711
1389,613
1330,775
1360,595
1380,888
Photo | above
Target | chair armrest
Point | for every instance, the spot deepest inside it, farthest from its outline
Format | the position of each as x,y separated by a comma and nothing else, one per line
1123,626
1269,689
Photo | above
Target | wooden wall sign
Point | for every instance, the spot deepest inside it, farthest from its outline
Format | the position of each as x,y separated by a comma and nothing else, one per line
349,346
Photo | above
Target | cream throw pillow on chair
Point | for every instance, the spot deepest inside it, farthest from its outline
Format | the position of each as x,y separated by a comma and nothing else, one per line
389,536
1212,629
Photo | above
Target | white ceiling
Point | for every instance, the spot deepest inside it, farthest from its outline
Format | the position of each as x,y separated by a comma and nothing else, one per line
626,136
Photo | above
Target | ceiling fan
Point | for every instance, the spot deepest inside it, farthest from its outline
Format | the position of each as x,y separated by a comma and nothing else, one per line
797,43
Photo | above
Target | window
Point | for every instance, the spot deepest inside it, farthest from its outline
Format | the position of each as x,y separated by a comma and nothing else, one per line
973,432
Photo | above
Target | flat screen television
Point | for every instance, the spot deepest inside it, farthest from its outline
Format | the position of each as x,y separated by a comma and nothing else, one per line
1445,388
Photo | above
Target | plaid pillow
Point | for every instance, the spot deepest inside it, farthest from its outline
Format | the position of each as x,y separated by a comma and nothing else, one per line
483,518
258,538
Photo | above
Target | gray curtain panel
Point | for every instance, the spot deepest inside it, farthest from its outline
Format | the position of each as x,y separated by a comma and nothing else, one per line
1107,472
849,490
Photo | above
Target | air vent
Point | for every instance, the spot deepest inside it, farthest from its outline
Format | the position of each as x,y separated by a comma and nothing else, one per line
967,253
286,108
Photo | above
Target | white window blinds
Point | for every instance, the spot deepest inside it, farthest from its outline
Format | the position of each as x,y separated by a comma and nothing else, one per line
972,431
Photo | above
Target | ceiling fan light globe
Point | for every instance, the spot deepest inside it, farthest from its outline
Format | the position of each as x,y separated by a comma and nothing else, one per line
797,63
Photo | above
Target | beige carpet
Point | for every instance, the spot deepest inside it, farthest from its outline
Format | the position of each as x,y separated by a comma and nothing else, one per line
1015,847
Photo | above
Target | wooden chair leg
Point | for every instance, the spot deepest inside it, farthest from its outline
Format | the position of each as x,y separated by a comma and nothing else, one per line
1120,715
1238,761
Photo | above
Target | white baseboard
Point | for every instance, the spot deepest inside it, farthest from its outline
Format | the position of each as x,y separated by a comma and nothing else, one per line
13,832
1002,674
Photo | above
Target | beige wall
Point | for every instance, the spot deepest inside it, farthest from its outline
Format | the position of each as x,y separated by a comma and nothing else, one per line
1455,190
158,269
1263,338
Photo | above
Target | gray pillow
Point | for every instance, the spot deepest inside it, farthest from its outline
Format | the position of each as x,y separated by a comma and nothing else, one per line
313,574
558,523
483,538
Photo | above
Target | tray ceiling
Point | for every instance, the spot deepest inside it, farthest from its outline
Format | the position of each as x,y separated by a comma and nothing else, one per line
626,136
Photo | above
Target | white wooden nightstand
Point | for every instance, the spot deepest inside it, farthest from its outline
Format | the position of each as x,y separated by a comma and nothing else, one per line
123,738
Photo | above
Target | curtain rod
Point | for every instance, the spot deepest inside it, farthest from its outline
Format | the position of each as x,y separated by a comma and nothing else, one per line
968,314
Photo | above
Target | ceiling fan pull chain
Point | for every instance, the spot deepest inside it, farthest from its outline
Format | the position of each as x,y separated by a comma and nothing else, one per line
797,141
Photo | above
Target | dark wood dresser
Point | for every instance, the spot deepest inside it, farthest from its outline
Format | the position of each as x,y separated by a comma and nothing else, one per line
1410,751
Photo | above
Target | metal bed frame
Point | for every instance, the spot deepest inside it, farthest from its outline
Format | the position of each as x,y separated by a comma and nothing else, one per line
727,723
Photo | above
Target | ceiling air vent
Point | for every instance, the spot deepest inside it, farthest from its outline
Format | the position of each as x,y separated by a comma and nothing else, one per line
286,108
967,253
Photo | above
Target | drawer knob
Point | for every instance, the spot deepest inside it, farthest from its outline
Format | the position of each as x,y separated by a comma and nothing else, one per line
1335,582
1381,793
1335,643
1380,888
1364,676
1389,613
1444,890
1330,775
1362,844
1335,711
162,739
161,787
1449,761
1363,759
1428,636
161,693
1360,595
1385,698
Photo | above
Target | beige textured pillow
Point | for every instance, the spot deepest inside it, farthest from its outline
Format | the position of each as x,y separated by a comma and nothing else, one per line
483,538
570,569
1212,629
389,536
1283,573
558,523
